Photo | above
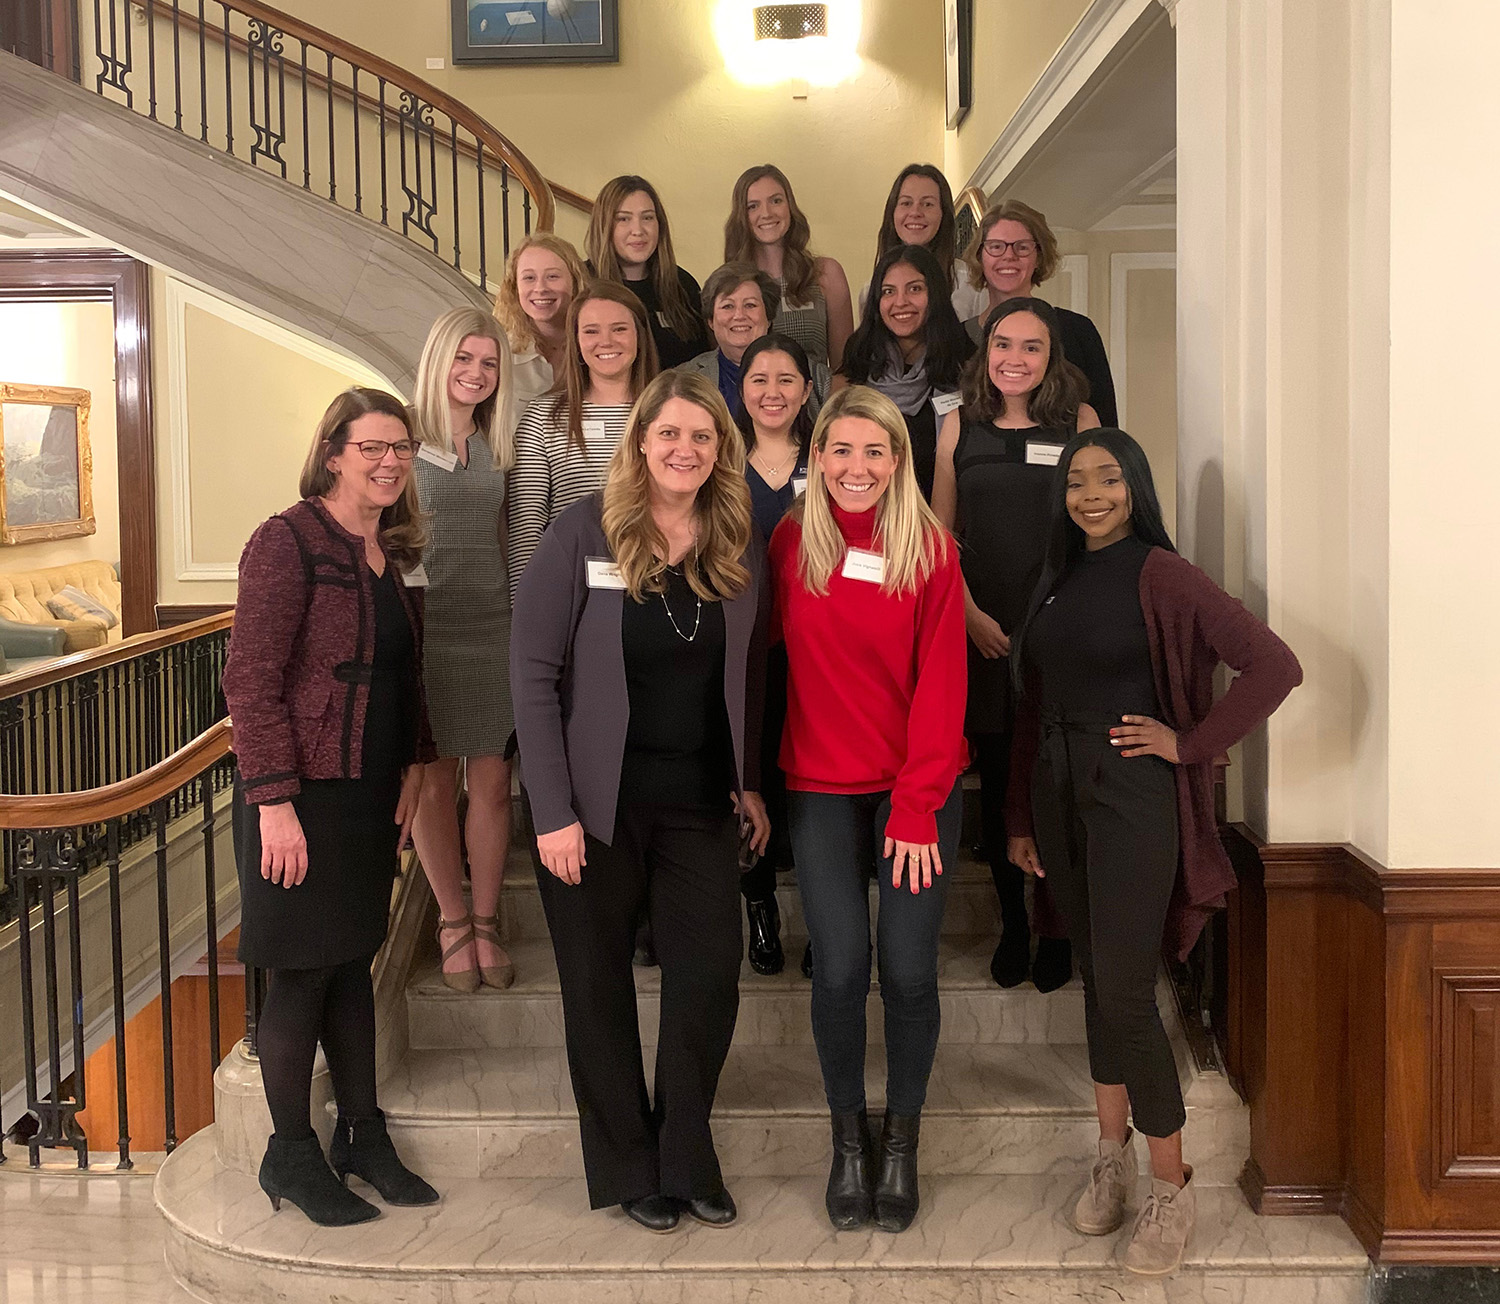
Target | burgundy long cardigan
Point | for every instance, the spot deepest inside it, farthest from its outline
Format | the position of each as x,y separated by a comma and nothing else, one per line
297,680
1191,626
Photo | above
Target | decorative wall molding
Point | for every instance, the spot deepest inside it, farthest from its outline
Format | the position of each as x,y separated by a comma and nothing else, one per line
1120,267
1171,7
1077,267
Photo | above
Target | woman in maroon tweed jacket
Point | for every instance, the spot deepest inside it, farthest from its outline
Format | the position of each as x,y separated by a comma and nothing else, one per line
1111,795
324,686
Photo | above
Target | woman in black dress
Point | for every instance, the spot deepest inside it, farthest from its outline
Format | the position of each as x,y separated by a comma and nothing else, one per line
324,685
995,461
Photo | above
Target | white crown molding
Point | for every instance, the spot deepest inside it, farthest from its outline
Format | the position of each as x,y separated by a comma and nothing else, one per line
1120,267
1171,7
1102,27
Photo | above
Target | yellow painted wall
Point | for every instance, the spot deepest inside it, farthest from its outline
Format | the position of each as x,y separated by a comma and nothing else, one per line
69,344
670,111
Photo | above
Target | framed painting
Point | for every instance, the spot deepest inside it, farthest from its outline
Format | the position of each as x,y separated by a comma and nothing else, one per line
536,31
46,468
958,32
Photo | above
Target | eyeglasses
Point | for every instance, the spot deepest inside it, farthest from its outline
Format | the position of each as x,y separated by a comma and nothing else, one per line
997,248
372,450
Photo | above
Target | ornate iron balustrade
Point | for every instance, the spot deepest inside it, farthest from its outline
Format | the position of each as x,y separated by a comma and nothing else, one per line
288,98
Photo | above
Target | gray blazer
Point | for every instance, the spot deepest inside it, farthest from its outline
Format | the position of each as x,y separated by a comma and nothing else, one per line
567,676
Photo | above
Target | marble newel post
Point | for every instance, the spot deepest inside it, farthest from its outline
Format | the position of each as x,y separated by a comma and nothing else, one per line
242,1122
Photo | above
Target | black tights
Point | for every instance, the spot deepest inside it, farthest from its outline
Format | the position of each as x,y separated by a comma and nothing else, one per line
336,1006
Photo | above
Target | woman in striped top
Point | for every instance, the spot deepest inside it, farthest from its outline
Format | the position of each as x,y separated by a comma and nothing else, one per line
566,439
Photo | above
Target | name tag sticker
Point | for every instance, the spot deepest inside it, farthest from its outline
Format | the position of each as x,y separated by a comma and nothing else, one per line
799,485
604,574
1039,454
593,428
862,565
943,404
437,457
416,577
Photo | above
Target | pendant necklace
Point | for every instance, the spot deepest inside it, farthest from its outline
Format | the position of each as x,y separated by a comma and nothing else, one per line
698,616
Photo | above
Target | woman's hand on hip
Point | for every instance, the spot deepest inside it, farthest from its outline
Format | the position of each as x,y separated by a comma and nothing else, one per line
283,848
562,852
1140,735
406,807
752,808
1022,852
918,860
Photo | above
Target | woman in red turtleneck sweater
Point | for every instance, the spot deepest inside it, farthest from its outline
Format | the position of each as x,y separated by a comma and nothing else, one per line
869,600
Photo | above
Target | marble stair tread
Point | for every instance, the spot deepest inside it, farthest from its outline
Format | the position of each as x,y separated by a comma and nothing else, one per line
223,1235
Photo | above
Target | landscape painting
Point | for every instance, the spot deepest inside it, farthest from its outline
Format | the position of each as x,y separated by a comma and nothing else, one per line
45,463
534,31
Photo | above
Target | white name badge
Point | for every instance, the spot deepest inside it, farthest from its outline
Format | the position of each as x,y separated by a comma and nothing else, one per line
943,404
799,485
593,428
862,565
1038,454
604,574
416,577
437,457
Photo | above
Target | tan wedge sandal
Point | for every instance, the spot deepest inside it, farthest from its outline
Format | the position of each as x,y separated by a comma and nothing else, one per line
500,975
462,980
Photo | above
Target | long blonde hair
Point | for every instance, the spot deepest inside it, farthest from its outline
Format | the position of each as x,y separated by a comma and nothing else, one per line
912,540
716,569
573,383
799,268
661,268
494,419
519,329
403,532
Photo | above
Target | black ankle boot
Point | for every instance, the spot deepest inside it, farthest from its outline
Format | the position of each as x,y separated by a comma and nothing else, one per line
807,961
295,1170
896,1197
1054,963
363,1147
850,1198
766,955
1012,958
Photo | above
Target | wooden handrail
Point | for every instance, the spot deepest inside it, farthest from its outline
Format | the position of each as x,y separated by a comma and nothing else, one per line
572,198
96,658
66,810
401,78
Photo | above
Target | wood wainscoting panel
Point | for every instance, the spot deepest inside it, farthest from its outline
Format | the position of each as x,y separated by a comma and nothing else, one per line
1467,1074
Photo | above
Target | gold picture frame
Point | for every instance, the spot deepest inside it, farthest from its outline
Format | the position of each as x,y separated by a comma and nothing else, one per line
968,208
46,465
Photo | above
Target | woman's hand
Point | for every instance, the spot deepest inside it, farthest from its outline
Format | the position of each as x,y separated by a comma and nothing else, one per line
754,810
283,848
913,857
562,852
406,806
1022,852
985,633
1144,737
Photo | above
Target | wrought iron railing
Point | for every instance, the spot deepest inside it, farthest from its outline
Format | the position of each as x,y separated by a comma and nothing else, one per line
288,98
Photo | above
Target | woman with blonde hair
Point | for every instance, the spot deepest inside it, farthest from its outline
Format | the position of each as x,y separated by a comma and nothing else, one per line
462,417
637,661
542,275
766,229
869,601
566,438
630,243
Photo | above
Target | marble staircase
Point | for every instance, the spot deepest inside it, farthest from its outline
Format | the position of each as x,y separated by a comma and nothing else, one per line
481,1104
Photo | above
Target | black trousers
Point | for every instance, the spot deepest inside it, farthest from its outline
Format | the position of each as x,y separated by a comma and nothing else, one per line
680,867
759,882
992,762
1106,829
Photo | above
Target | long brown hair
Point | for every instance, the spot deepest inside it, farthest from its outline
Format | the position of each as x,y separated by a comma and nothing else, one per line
799,268
716,569
1013,210
1063,388
403,532
518,327
574,381
661,267
944,245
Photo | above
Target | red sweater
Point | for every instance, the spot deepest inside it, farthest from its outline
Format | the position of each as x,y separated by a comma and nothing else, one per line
876,683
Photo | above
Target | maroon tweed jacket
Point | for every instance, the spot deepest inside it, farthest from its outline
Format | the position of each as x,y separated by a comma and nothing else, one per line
297,680
1191,625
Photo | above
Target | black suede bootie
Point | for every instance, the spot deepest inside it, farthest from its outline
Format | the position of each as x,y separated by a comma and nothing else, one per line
362,1146
295,1170
766,955
1053,967
896,1197
851,1180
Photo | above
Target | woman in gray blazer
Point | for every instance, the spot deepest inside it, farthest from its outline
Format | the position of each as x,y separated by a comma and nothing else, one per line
637,663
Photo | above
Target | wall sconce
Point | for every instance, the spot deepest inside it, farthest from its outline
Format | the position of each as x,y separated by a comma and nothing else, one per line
767,44
790,22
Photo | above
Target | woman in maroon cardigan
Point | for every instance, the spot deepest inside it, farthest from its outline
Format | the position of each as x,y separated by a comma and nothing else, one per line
1112,795
324,686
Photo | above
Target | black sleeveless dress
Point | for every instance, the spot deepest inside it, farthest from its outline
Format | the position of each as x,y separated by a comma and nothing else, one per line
1004,481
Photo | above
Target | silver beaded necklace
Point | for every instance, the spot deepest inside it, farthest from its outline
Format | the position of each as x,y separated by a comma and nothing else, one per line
698,615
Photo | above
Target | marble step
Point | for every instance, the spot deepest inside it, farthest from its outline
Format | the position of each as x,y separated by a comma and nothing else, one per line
982,1239
774,1011
1019,1108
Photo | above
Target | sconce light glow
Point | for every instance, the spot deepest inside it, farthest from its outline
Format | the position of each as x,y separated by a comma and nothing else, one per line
819,60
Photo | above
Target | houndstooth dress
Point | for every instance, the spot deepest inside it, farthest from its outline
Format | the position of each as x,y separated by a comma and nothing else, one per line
466,649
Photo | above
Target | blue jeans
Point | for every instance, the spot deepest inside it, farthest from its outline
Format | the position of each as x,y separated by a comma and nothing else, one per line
837,840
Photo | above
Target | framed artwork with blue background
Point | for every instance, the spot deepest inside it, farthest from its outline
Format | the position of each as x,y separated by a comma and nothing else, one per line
536,31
